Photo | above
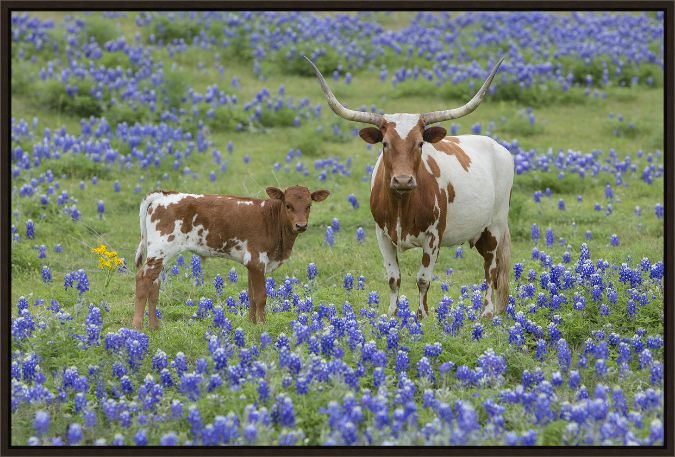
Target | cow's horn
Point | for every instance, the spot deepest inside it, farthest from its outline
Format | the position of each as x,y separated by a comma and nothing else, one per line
336,106
439,116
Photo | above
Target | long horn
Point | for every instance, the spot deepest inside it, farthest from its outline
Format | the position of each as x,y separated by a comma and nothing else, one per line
336,106
439,116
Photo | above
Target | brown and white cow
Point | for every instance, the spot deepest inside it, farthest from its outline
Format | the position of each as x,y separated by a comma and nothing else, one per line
429,190
256,233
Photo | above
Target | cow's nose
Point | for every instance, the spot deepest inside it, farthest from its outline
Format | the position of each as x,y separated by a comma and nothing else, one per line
403,182
300,227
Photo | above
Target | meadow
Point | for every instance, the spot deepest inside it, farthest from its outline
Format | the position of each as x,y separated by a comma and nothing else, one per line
107,107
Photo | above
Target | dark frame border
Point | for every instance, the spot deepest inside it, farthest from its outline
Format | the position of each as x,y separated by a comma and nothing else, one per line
7,7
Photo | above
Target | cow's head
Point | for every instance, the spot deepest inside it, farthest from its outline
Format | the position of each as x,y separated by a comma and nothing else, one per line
296,203
402,135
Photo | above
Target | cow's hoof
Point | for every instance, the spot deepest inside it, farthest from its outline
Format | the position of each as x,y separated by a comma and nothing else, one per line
137,324
154,325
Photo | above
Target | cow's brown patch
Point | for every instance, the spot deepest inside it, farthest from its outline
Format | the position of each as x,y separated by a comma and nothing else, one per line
171,238
451,193
426,259
435,169
486,246
415,211
450,145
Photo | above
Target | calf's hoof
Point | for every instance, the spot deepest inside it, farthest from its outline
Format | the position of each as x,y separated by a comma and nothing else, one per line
154,325
137,324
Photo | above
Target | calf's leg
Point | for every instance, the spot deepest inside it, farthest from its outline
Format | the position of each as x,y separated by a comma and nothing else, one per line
257,294
147,290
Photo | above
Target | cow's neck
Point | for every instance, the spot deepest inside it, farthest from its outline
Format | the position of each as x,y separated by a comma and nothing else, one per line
281,236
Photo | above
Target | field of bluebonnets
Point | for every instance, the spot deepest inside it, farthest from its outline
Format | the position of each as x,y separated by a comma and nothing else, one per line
107,107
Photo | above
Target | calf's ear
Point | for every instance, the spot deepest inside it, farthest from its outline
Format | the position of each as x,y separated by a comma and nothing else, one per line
434,134
371,135
275,193
320,195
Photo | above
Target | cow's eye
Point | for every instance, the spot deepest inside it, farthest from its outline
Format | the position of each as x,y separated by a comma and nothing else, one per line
385,144
308,206
421,143
288,207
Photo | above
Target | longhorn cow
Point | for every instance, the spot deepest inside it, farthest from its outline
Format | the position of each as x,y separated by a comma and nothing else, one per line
430,190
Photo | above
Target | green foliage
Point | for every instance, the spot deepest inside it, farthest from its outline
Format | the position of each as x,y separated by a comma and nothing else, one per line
99,29
282,118
76,167
123,113
173,29
174,88
52,95
327,62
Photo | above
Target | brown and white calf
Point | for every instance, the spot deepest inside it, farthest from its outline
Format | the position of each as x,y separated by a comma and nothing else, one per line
256,233
429,190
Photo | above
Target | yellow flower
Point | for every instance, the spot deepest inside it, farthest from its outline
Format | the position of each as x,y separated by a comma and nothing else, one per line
99,250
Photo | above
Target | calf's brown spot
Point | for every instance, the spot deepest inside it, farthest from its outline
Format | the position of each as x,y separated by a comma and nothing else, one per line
425,260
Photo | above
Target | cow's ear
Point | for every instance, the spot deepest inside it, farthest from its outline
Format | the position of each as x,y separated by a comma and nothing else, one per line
371,135
434,134
275,193
320,195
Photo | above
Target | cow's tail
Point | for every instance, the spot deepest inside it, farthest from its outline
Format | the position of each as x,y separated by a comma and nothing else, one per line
142,215
503,270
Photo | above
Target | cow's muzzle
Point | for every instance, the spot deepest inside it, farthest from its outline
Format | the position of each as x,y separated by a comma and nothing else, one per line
403,183
299,228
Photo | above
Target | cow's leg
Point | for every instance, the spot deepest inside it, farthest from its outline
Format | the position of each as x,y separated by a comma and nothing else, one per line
147,290
429,256
488,247
257,294
390,259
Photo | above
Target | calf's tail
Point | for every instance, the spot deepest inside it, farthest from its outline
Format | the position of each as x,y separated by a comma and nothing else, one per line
142,215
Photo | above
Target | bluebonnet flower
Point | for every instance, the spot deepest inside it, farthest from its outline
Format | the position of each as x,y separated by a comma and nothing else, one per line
459,252
353,201
169,439
329,237
534,233
75,434
360,235
41,422
197,273
30,230
46,274
349,282
614,240
477,332
658,210
218,283
564,355
335,225
549,237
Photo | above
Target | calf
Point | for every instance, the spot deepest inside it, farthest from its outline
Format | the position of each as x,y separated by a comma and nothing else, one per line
256,233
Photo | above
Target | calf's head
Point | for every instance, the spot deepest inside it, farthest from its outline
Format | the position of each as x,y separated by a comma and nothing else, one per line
402,135
296,203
